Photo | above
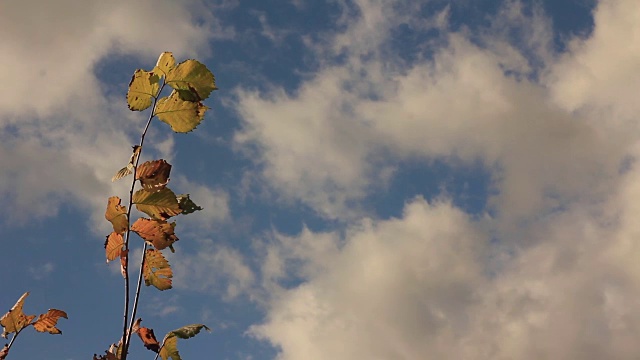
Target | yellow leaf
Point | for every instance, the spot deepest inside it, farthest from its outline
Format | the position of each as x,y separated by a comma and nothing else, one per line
142,88
166,62
170,349
116,214
192,77
182,115
160,205
156,270
113,246
159,233
15,320
47,322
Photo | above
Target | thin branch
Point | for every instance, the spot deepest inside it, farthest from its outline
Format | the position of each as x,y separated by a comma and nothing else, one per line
126,328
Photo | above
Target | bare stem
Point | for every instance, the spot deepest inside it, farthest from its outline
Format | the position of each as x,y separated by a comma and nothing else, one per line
126,328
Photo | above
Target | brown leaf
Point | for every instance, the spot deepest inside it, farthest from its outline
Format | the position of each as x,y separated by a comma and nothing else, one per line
123,262
15,320
156,270
47,322
154,175
116,214
113,246
4,352
147,336
159,233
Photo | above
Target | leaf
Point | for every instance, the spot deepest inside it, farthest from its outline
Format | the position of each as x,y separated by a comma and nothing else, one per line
159,233
123,262
15,320
188,331
4,352
186,205
170,349
114,353
154,175
116,214
147,336
47,322
170,343
156,270
142,88
194,77
129,168
166,62
160,205
113,246
182,115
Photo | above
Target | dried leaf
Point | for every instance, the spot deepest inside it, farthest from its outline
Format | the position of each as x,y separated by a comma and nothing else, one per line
130,166
15,320
156,270
4,352
182,115
113,246
47,322
187,205
147,336
194,77
114,353
154,175
159,233
143,87
116,214
160,205
123,262
170,343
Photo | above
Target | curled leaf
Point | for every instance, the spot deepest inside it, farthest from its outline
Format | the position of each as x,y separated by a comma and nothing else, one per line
113,246
47,322
116,214
160,205
147,336
156,270
187,205
130,166
142,88
193,77
169,347
154,175
159,233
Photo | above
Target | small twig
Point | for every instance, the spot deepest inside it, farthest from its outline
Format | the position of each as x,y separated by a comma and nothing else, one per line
126,328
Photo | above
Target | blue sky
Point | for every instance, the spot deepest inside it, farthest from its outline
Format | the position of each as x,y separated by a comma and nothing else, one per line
381,179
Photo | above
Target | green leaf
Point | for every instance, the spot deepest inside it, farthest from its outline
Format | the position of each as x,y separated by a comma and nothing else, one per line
170,349
193,77
187,205
160,205
170,344
166,62
188,331
142,88
183,116
156,270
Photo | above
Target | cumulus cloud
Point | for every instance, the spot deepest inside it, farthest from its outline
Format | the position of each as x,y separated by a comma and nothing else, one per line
547,273
57,113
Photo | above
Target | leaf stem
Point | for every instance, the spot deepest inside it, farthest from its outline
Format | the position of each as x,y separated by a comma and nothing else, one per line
126,328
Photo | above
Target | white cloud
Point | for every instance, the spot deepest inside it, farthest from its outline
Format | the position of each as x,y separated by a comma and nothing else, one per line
55,112
552,274
214,268
214,203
